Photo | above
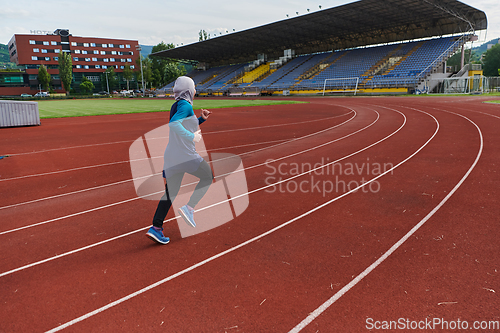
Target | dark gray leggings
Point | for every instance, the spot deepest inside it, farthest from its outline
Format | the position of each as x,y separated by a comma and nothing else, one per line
204,173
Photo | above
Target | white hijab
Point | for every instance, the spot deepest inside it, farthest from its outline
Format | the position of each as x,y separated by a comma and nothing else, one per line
184,89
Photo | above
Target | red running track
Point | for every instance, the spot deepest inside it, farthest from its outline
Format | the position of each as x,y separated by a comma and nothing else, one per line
418,241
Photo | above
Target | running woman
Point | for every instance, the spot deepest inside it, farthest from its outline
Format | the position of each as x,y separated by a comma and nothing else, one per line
181,157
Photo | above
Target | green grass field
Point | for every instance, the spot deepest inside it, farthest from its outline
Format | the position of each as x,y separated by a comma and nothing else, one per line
104,106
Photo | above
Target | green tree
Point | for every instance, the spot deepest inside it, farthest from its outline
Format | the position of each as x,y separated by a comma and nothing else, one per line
159,65
203,35
112,79
491,61
86,86
128,75
173,71
44,77
65,70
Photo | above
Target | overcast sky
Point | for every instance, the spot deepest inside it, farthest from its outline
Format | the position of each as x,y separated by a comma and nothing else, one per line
153,21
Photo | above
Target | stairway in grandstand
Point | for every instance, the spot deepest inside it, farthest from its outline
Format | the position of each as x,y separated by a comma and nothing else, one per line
286,74
388,63
320,67
254,74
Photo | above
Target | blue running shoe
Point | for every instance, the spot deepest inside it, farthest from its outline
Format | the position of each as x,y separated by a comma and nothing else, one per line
157,236
187,215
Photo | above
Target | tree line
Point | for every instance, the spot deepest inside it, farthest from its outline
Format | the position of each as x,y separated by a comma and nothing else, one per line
490,60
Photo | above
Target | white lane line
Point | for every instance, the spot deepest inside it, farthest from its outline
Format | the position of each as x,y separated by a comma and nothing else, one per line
142,229
220,176
393,248
129,141
242,154
486,114
212,149
105,185
199,264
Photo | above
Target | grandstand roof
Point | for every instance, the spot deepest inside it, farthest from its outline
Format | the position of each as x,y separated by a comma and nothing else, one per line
361,23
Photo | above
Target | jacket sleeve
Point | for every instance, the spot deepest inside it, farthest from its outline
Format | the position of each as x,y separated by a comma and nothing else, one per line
183,111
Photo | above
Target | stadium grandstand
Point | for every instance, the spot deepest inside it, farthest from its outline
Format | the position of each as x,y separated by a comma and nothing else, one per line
368,46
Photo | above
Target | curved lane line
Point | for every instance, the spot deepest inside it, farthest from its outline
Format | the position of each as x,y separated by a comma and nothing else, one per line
129,141
370,268
145,228
242,154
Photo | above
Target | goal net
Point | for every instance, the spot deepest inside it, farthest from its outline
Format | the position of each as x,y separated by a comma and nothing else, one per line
341,85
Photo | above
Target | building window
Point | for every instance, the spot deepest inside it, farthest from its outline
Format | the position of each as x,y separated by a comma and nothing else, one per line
73,43
122,46
129,60
106,60
53,43
97,66
45,43
56,58
132,67
122,60
36,50
104,45
84,52
75,59
32,42
113,52
57,50
34,58
78,66
87,59
94,59
96,52
92,44
111,45
122,67
77,51
127,46
112,59
44,51
103,52
131,53
85,44
86,66
104,67
47,58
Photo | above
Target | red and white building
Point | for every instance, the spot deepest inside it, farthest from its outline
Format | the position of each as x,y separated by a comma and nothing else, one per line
91,56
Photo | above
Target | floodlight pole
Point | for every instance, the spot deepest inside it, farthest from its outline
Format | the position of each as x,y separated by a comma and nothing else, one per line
138,47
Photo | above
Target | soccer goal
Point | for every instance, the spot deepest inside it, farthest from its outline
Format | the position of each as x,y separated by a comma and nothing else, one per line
342,85
458,85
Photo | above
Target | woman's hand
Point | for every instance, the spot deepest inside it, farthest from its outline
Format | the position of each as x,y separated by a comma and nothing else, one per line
197,136
205,114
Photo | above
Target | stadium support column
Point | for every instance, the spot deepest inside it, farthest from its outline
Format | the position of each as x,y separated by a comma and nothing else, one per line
462,59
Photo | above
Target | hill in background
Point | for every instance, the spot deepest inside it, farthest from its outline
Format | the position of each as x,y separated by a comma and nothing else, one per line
4,57
484,47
